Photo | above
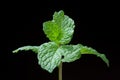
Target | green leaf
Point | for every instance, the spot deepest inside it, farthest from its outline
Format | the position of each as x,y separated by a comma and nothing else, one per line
52,30
67,30
26,48
48,58
50,55
70,53
58,17
59,30
89,50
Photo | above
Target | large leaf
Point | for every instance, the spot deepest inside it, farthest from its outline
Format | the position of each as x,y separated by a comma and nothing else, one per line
70,53
89,50
47,56
60,29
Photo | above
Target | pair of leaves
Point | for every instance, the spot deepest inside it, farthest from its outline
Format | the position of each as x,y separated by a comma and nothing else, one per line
59,31
50,54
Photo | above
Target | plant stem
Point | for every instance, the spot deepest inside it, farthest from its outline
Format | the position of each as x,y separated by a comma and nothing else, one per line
60,71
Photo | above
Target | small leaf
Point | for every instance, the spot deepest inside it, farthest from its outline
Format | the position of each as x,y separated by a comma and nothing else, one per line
67,30
52,30
89,50
70,53
26,48
58,17
48,58
60,30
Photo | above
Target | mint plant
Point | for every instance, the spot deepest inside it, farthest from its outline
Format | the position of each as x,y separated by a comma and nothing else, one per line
52,54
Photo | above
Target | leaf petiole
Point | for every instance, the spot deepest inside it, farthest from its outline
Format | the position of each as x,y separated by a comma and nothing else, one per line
60,71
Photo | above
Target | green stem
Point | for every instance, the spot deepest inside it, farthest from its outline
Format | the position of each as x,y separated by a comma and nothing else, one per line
60,71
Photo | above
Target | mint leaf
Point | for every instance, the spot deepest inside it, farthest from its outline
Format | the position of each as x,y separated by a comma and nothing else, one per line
70,53
89,50
59,30
58,17
50,55
67,29
48,58
52,30
26,48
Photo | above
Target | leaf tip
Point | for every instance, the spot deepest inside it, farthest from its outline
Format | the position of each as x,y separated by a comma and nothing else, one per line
104,58
14,51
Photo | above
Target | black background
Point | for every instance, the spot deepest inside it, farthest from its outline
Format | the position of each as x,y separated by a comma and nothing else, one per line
95,27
